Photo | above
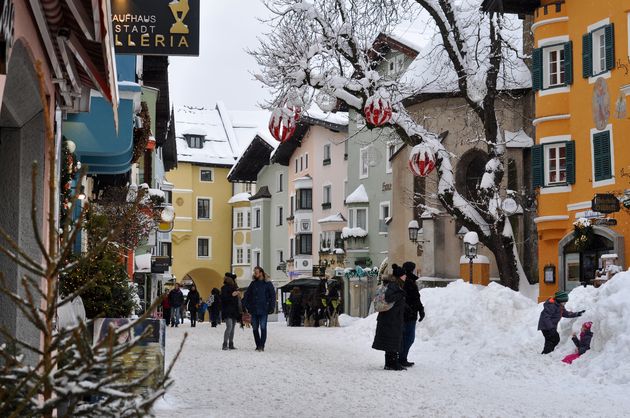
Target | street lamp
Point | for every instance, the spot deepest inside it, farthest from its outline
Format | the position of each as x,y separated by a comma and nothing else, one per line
471,241
413,227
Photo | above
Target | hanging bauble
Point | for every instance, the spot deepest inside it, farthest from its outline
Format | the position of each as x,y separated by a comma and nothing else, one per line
421,160
283,122
326,102
377,111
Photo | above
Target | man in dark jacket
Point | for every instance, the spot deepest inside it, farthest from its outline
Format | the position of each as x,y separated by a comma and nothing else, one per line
553,311
260,301
192,303
388,337
176,300
413,308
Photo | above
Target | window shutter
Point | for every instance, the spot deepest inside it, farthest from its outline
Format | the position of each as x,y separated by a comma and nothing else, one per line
537,69
610,46
568,63
570,154
602,156
587,55
538,170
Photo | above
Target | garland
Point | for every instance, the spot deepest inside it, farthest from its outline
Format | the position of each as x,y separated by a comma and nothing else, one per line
141,135
582,234
69,169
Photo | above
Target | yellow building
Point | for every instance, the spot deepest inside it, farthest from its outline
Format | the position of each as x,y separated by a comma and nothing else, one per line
581,63
208,142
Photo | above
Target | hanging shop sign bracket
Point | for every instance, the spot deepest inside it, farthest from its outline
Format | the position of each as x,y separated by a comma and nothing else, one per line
605,203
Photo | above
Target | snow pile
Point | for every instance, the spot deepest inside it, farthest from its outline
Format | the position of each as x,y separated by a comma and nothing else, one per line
240,197
353,233
359,195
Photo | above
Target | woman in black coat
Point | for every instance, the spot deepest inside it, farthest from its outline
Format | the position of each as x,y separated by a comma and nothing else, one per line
413,309
192,304
229,309
214,308
389,324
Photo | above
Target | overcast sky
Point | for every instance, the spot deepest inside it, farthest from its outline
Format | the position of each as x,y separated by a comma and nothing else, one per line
222,70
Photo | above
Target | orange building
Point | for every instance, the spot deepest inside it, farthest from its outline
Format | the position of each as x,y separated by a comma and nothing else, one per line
581,74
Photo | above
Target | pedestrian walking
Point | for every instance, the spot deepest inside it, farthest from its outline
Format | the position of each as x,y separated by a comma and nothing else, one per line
214,307
413,310
201,313
229,309
582,344
176,300
295,314
553,311
192,304
389,323
260,301
166,308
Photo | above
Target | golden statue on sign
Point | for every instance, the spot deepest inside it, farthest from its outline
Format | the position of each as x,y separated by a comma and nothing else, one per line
180,9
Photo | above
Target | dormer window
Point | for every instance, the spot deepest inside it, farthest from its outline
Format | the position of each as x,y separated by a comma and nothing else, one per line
194,141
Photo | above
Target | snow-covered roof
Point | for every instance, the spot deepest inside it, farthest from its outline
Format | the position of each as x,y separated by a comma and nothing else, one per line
227,133
353,233
518,139
240,197
359,195
338,217
432,71
338,118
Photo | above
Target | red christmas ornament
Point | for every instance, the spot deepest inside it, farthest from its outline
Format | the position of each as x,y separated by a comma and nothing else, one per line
283,122
377,111
421,160
151,144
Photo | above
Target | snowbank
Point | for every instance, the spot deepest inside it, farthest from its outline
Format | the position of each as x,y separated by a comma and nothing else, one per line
495,329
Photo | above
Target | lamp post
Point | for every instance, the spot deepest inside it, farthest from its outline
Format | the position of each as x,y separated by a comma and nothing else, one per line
471,241
413,228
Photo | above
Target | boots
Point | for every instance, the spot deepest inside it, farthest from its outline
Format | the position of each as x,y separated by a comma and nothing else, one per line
392,363
231,346
225,346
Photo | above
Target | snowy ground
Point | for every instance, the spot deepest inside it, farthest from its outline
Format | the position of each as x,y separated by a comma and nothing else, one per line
476,354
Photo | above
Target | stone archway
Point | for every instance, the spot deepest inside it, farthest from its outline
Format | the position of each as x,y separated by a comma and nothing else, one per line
607,234
470,168
22,141
205,279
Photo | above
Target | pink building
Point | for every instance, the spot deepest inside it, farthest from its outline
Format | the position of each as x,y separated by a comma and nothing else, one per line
317,175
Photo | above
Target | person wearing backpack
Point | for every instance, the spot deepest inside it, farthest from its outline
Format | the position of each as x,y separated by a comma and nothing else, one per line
389,323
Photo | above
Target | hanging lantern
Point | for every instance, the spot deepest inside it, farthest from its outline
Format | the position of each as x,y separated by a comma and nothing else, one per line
151,143
377,111
421,161
283,122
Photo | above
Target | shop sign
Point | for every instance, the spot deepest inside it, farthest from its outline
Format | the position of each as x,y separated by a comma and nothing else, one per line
605,222
319,271
156,27
605,203
160,264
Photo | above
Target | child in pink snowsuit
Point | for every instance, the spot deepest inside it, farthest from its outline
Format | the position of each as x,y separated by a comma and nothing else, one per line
583,344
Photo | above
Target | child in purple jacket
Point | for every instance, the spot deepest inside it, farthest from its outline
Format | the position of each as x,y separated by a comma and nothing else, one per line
583,344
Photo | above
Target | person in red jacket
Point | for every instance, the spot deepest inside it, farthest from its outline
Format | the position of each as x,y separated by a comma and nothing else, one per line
583,344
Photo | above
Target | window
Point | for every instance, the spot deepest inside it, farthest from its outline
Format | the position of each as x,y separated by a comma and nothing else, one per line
598,50
556,164
552,66
257,257
391,150
204,210
306,161
603,163
206,175
357,218
239,219
301,163
383,216
292,205
363,163
166,249
168,196
291,247
203,247
326,154
239,255
194,141
296,165
249,256
304,199
327,196
553,164
249,220
280,182
395,64
328,240
257,211
280,254
304,244
280,216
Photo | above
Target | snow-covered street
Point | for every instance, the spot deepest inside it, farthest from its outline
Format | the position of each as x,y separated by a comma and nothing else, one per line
476,354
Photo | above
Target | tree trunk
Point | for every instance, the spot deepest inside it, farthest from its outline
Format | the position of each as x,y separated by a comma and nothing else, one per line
502,248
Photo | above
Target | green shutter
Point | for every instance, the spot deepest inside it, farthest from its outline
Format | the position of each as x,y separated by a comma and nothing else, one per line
568,63
610,46
538,169
570,162
537,69
587,55
602,156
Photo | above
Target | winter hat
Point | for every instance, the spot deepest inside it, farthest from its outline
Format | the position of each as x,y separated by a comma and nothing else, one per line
587,325
561,296
397,271
409,266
